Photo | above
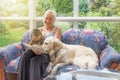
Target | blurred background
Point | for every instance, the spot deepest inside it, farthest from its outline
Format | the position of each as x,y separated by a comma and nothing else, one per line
18,16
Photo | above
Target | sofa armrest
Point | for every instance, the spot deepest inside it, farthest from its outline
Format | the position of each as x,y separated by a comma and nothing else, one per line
26,38
10,52
109,58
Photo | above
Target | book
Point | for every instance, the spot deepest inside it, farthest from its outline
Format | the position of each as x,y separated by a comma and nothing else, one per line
36,48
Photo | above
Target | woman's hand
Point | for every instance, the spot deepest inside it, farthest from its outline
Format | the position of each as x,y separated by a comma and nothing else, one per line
32,41
37,49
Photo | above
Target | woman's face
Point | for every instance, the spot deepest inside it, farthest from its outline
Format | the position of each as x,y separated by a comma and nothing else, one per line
49,20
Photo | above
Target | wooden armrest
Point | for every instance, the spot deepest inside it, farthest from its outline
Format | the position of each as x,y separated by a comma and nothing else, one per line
118,68
2,71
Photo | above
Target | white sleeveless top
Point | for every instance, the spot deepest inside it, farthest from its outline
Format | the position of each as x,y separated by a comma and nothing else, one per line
51,33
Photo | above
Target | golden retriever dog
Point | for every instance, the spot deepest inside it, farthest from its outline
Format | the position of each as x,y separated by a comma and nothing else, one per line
63,54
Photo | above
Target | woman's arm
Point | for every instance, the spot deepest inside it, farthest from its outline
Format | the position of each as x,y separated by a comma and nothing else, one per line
58,33
31,41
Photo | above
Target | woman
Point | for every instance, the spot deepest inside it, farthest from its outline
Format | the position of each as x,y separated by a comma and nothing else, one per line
32,65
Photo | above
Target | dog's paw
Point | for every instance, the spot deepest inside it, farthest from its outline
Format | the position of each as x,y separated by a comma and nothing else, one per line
53,73
48,69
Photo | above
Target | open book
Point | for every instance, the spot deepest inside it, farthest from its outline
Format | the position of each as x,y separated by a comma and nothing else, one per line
36,48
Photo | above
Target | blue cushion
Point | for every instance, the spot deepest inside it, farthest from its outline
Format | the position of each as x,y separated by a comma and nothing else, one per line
90,38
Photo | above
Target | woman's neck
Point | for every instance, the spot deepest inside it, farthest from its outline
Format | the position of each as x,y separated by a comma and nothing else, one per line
49,27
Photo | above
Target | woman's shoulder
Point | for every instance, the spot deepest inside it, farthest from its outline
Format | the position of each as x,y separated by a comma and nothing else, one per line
58,32
57,28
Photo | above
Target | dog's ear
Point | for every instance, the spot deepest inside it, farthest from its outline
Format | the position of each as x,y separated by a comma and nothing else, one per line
57,45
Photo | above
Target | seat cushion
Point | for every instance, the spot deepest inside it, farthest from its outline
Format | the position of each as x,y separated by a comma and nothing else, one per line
13,66
109,58
90,38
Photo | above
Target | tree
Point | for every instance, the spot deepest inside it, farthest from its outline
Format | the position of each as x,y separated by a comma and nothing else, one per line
64,7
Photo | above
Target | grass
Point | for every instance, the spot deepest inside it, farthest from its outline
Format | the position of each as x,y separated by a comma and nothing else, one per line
13,36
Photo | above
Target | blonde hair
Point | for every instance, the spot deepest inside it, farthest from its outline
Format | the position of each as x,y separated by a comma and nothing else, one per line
49,12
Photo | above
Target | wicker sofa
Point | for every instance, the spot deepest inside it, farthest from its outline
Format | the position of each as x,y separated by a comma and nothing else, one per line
108,57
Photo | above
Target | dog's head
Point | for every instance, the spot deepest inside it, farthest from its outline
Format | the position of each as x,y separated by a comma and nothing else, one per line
52,44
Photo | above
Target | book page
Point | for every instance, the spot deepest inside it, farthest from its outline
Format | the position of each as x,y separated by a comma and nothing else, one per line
36,48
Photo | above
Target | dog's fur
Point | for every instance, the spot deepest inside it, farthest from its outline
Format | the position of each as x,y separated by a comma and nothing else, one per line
63,54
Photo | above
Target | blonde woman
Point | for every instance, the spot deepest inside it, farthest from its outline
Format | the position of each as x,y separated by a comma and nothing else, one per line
32,66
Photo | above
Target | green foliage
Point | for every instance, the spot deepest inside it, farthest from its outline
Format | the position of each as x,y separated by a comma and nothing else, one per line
63,7
14,36
3,29
83,6
17,24
82,25
117,8
97,4
105,11
112,30
42,6
11,32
